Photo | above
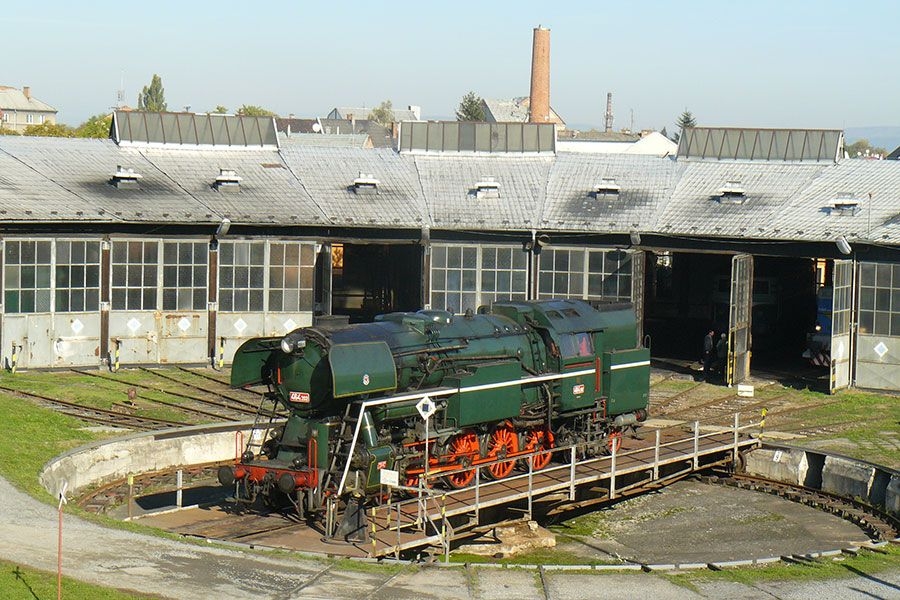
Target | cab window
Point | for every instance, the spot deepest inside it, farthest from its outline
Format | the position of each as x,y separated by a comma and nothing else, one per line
575,344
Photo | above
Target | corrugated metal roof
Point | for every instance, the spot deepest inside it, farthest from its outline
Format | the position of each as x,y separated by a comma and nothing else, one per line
450,183
269,191
874,185
72,183
644,183
46,180
14,99
697,207
327,174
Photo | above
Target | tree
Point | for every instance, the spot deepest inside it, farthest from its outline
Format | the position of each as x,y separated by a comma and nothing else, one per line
862,148
153,97
95,127
219,110
8,131
470,108
383,114
250,110
685,121
48,129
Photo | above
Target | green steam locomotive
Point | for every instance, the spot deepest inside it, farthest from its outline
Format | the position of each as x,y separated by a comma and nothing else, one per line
437,395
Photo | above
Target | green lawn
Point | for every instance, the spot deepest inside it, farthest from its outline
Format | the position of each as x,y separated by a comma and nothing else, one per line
31,437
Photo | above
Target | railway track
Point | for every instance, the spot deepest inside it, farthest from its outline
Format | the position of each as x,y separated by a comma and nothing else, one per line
103,498
97,415
659,401
224,410
217,380
878,525
241,405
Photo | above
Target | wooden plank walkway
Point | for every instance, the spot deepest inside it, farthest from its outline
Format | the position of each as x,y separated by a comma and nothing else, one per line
425,520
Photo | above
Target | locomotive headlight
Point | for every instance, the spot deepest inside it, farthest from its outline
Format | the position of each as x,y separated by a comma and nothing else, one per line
818,328
290,344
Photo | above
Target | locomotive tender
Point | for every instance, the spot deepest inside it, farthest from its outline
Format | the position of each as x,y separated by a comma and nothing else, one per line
506,384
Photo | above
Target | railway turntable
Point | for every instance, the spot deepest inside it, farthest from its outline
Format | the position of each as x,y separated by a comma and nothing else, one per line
434,518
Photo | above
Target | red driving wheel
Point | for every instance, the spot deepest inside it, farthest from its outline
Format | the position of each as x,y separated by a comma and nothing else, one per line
462,449
502,442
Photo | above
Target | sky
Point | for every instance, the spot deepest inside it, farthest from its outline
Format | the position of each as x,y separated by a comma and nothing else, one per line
765,63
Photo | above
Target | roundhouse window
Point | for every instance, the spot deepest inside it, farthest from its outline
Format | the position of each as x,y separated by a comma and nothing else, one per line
259,276
291,270
135,266
77,280
879,300
184,275
466,277
585,274
242,276
26,276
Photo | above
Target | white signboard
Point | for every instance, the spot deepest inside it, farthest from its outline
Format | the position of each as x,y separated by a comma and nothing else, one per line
389,477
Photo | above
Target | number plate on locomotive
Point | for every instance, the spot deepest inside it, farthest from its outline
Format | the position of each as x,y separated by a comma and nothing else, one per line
302,397
578,389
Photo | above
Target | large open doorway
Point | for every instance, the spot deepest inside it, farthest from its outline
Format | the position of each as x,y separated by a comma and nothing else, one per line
687,294
372,279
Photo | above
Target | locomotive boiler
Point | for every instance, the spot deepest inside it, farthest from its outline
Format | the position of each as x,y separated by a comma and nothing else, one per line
500,389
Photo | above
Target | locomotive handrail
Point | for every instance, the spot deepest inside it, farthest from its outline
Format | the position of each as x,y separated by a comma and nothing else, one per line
440,392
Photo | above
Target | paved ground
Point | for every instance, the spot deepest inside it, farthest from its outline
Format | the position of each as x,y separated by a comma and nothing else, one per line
694,522
178,571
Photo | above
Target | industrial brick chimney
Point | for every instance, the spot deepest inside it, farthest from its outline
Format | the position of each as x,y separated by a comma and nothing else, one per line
539,101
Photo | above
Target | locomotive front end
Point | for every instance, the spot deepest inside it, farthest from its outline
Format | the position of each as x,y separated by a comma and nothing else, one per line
288,447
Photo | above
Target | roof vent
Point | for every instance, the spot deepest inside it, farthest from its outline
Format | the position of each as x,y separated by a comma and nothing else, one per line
125,179
366,184
732,193
844,204
606,187
487,188
228,181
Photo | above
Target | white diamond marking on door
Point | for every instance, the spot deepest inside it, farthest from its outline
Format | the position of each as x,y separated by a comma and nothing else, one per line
133,324
881,349
184,324
289,325
77,326
240,325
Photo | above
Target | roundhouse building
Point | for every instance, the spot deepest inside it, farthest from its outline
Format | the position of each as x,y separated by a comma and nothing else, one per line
184,235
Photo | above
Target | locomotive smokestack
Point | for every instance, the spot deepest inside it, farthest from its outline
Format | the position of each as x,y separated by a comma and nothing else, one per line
539,102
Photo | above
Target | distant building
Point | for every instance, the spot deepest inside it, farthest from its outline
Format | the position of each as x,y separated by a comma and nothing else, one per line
347,132
516,110
651,143
19,109
350,113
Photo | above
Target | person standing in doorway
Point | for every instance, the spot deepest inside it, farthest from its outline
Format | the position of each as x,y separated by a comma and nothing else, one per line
721,355
709,354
